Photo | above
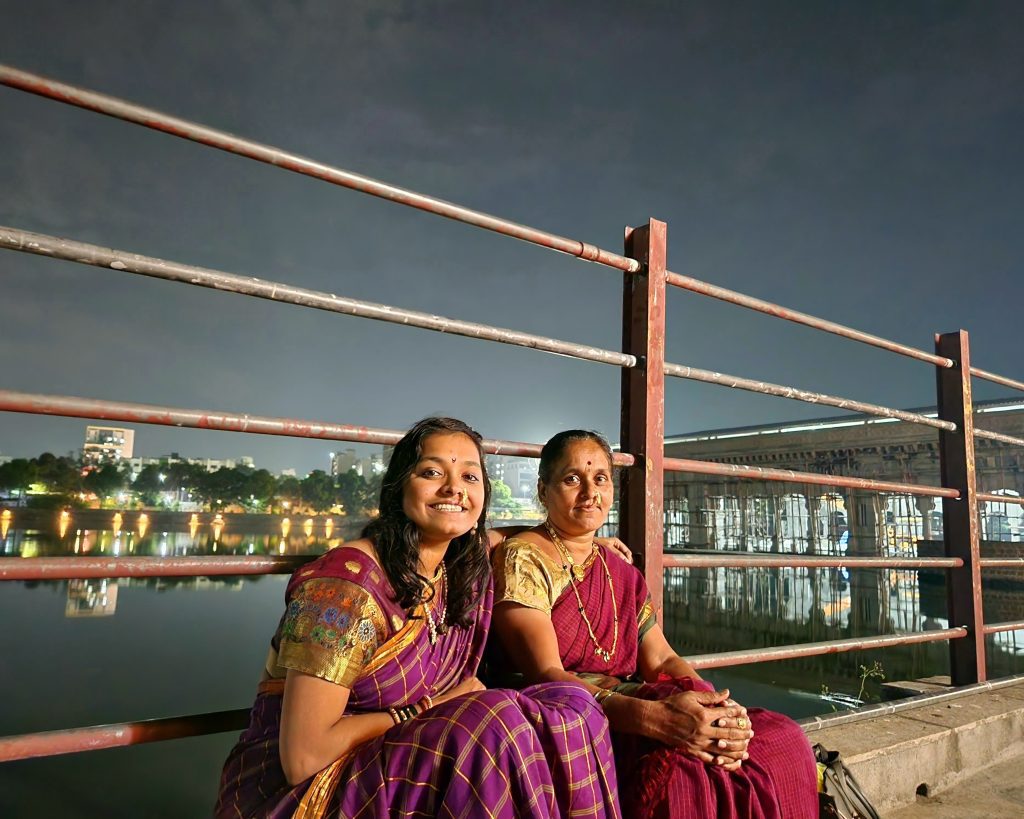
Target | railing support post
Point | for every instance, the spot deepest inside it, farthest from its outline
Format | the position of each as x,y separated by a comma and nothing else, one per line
960,517
643,404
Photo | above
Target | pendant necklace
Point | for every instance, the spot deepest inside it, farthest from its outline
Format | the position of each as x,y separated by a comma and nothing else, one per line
576,571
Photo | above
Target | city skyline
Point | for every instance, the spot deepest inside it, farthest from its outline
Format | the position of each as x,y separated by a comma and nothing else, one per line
859,163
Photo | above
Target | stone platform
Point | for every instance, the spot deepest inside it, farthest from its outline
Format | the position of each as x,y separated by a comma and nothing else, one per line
921,757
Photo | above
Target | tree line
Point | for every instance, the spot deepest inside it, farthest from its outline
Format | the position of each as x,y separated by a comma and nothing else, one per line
50,480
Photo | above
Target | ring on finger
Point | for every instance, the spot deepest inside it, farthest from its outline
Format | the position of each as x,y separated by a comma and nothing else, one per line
741,723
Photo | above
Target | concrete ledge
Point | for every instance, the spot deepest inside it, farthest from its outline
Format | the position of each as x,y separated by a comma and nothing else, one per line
927,749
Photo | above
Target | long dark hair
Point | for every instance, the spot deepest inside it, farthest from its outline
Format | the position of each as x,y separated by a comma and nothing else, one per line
555,448
398,540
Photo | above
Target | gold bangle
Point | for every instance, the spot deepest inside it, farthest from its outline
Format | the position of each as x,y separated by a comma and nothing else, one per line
394,716
426,703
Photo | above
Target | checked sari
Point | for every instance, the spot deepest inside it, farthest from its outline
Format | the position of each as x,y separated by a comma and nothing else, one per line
779,781
541,752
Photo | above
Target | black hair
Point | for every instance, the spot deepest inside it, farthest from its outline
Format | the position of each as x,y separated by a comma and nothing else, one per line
398,540
555,448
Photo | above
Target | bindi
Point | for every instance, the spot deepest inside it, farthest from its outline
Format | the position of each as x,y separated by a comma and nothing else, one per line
588,463
453,460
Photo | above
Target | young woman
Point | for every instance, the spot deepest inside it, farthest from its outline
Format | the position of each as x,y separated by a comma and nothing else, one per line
566,611
369,703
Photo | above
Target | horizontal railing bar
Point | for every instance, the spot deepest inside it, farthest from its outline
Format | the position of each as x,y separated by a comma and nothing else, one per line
881,709
71,406
747,561
997,379
727,658
742,300
998,436
992,498
995,628
54,247
789,475
69,568
1001,562
782,391
204,135
119,734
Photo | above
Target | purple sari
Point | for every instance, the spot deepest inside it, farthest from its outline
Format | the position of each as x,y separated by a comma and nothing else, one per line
541,752
779,781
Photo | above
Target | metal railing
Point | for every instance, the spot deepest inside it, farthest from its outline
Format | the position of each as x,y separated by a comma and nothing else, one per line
642,433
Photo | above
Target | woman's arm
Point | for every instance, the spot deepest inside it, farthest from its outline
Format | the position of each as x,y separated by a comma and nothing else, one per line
501,533
314,728
657,657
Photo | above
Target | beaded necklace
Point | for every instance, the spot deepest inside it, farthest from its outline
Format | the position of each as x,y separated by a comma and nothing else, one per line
572,568
440,608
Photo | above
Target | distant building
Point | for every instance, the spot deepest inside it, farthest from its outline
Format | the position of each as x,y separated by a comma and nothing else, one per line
342,462
209,464
517,473
107,445
348,460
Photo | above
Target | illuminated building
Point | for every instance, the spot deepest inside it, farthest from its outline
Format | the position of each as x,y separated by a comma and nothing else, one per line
105,445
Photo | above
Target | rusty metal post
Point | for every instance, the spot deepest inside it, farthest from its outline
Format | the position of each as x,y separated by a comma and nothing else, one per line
960,517
641,521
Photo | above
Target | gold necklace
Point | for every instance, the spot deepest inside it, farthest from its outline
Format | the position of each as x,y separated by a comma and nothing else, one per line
577,570
605,654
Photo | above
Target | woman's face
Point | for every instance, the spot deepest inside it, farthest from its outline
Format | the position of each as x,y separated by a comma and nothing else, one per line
581,476
444,494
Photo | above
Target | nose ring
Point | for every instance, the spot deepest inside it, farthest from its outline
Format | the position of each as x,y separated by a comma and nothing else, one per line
597,500
465,497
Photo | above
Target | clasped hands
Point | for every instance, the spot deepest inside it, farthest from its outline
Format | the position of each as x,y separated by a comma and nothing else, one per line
707,725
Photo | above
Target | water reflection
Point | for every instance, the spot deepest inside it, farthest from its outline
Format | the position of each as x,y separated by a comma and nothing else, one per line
91,598
724,609
153,534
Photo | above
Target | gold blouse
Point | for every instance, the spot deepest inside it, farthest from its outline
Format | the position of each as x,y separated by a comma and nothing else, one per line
524,574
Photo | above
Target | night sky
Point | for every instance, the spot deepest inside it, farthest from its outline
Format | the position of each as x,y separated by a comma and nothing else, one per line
862,161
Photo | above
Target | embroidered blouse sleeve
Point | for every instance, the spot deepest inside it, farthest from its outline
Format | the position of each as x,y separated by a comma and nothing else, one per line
330,630
522,575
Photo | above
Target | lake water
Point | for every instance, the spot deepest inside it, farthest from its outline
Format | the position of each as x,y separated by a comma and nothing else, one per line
78,653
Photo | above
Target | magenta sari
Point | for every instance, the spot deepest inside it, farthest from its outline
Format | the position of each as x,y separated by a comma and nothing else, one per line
541,752
779,781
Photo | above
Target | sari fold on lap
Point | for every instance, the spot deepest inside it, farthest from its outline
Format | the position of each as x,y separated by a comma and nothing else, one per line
779,781
542,752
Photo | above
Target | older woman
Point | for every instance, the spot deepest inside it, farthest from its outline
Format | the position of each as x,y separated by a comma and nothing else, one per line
564,611
369,703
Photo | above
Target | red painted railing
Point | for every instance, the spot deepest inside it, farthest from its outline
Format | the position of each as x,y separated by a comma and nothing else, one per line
644,369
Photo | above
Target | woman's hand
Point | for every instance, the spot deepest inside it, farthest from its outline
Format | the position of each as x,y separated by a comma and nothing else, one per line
704,725
467,686
617,546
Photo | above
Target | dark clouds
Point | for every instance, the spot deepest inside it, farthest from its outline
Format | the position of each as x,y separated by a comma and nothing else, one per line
861,161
